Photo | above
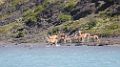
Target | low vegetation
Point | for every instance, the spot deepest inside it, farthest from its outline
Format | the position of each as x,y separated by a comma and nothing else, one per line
12,29
101,18
31,14
100,25
16,2
64,17
70,4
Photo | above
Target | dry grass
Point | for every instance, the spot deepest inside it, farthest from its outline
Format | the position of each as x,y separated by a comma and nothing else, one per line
6,29
2,2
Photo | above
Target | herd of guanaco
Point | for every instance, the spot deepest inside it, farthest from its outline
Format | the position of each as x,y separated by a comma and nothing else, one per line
79,37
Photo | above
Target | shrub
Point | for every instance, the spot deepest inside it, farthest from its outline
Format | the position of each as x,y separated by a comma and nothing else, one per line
38,9
15,2
54,30
71,3
31,14
47,2
20,33
64,17
7,29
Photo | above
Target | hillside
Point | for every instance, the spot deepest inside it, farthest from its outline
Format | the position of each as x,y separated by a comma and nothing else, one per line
32,20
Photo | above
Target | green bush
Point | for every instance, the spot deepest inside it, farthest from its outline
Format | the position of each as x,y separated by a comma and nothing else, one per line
20,34
15,2
38,9
70,3
54,30
6,29
31,14
47,2
113,26
65,17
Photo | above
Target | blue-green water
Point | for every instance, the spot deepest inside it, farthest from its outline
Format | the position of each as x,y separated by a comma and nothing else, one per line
82,56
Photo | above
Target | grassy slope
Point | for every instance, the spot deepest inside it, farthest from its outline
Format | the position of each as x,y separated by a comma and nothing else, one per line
101,24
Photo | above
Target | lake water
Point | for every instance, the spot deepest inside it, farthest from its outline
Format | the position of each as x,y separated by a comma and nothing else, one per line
82,56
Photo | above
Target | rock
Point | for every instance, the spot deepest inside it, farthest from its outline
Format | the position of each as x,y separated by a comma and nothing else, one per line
78,44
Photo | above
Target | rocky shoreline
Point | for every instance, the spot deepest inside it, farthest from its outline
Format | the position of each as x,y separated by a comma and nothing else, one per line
111,41
38,45
31,46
